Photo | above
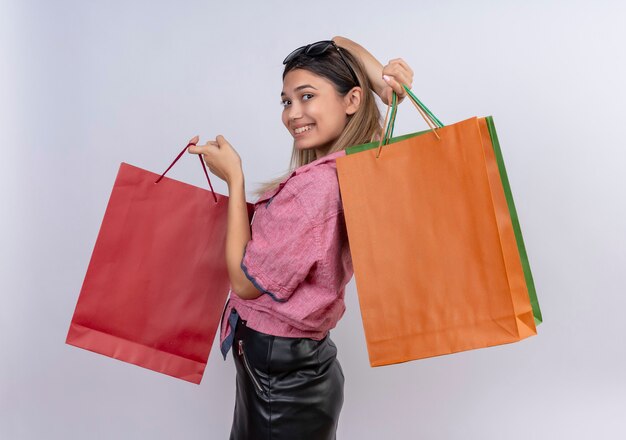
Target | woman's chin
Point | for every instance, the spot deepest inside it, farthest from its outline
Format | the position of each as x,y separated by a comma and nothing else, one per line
309,144
303,145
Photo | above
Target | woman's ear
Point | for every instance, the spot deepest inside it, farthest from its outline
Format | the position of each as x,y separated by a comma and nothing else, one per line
352,100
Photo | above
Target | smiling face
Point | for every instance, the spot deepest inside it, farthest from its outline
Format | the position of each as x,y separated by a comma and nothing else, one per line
314,112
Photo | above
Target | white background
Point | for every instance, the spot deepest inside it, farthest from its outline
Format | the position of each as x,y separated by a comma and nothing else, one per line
87,85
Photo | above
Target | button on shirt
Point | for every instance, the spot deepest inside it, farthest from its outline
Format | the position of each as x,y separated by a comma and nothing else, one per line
298,257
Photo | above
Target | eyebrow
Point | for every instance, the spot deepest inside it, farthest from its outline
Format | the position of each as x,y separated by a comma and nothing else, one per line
299,88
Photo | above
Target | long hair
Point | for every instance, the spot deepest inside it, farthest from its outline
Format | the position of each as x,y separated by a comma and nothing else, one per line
362,127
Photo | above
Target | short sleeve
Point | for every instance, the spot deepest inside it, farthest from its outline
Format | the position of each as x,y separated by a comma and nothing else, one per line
283,247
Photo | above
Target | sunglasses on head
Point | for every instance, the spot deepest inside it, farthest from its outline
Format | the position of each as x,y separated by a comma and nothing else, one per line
316,49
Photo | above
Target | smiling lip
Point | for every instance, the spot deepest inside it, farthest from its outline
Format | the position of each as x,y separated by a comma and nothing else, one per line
304,132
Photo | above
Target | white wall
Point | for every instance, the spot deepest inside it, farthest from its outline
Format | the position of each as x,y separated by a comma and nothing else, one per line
87,85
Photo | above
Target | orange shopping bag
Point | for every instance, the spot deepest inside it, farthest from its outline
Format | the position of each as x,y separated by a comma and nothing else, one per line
437,263
157,280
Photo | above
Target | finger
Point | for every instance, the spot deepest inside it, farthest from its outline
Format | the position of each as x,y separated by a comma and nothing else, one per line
207,148
400,82
400,77
397,87
221,141
397,66
196,149
399,73
403,64
398,63
407,75
194,140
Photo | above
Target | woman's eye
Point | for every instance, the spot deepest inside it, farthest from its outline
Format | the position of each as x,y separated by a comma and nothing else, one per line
305,97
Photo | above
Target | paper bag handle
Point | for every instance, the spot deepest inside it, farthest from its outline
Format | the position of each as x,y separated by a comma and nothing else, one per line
432,121
203,167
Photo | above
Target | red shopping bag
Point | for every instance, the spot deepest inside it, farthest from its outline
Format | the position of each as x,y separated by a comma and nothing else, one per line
157,281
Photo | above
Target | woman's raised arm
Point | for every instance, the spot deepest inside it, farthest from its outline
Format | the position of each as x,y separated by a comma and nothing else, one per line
397,71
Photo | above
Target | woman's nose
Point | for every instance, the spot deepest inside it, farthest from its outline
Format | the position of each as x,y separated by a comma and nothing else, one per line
294,112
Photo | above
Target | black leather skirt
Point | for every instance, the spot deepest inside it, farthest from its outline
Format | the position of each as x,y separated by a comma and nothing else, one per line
287,388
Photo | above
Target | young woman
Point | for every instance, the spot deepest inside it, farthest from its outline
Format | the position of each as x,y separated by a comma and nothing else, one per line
288,270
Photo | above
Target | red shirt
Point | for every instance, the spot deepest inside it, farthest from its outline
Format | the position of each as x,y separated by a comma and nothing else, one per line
298,256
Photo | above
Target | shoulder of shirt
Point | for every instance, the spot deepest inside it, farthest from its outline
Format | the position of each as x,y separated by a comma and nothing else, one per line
317,190
319,170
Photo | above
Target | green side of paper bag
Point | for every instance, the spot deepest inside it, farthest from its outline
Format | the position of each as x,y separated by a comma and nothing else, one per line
530,284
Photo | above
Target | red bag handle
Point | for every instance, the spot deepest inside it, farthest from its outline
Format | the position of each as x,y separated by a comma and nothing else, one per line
203,167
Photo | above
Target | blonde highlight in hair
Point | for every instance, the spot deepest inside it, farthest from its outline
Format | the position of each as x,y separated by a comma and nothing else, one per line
362,127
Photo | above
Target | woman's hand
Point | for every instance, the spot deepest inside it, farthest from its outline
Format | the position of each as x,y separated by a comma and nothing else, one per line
396,73
219,156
